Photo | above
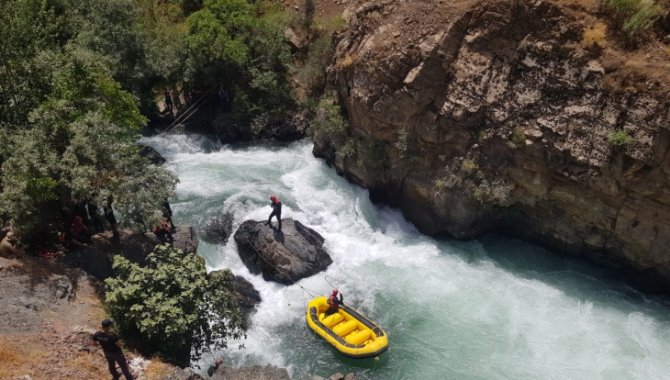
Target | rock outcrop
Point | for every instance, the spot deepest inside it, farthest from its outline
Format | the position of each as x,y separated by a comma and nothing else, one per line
247,296
251,373
282,256
218,229
243,293
97,257
151,154
504,115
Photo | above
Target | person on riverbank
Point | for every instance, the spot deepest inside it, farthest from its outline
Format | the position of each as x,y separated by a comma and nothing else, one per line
276,210
168,101
163,231
334,302
111,219
78,231
215,366
167,214
111,347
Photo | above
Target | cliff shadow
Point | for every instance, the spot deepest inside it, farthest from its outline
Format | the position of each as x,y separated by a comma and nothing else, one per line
572,275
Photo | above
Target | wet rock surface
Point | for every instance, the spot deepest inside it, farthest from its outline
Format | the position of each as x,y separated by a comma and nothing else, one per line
243,292
218,229
282,256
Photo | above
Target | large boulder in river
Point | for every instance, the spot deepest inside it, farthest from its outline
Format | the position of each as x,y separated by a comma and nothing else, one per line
243,293
282,256
151,154
218,229
97,256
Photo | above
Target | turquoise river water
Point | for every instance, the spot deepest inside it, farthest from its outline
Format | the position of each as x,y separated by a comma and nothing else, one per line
493,308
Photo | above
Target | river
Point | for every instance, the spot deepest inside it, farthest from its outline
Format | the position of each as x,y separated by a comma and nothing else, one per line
493,308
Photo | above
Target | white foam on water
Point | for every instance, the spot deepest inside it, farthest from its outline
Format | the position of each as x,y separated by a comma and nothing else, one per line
451,309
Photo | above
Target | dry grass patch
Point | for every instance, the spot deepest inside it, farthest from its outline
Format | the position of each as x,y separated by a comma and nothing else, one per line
157,370
15,360
595,35
347,61
90,365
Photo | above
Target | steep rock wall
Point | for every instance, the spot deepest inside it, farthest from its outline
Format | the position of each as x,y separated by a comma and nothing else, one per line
480,115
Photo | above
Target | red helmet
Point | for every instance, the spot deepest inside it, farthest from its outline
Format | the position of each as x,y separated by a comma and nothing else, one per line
273,198
335,292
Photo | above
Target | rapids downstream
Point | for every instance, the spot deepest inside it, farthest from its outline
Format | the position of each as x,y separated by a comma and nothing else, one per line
494,308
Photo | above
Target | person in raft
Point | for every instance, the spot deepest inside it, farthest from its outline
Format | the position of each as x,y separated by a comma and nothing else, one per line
276,210
334,303
111,347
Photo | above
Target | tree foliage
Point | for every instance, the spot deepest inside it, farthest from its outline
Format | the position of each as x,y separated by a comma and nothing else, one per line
240,46
172,304
71,118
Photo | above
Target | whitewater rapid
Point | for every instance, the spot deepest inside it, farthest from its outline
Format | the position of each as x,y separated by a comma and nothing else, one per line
495,308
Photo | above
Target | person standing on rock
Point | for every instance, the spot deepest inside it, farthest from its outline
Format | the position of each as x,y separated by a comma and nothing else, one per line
276,210
111,347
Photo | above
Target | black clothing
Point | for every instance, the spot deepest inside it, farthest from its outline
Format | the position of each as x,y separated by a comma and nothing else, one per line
93,217
118,357
276,211
168,101
113,353
107,340
167,214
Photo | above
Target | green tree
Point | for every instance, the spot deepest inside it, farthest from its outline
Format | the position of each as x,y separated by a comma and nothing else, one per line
69,124
240,46
173,305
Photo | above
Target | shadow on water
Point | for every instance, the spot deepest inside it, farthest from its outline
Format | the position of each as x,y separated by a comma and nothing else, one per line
573,276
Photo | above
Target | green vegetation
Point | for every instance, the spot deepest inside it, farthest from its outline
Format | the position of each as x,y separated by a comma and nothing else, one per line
469,166
619,138
329,122
350,148
635,16
229,45
69,115
517,138
312,73
78,79
497,192
173,305
402,144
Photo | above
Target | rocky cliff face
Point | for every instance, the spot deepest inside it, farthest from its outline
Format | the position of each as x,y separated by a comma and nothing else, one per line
479,115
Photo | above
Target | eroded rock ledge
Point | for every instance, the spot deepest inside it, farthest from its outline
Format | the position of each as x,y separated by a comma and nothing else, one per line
480,115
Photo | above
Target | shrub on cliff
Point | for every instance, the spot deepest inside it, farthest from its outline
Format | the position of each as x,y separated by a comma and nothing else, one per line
172,306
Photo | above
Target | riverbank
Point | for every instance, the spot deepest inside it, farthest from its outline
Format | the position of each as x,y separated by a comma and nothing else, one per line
48,314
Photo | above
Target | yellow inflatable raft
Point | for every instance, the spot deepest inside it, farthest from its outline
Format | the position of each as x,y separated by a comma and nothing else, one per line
349,332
